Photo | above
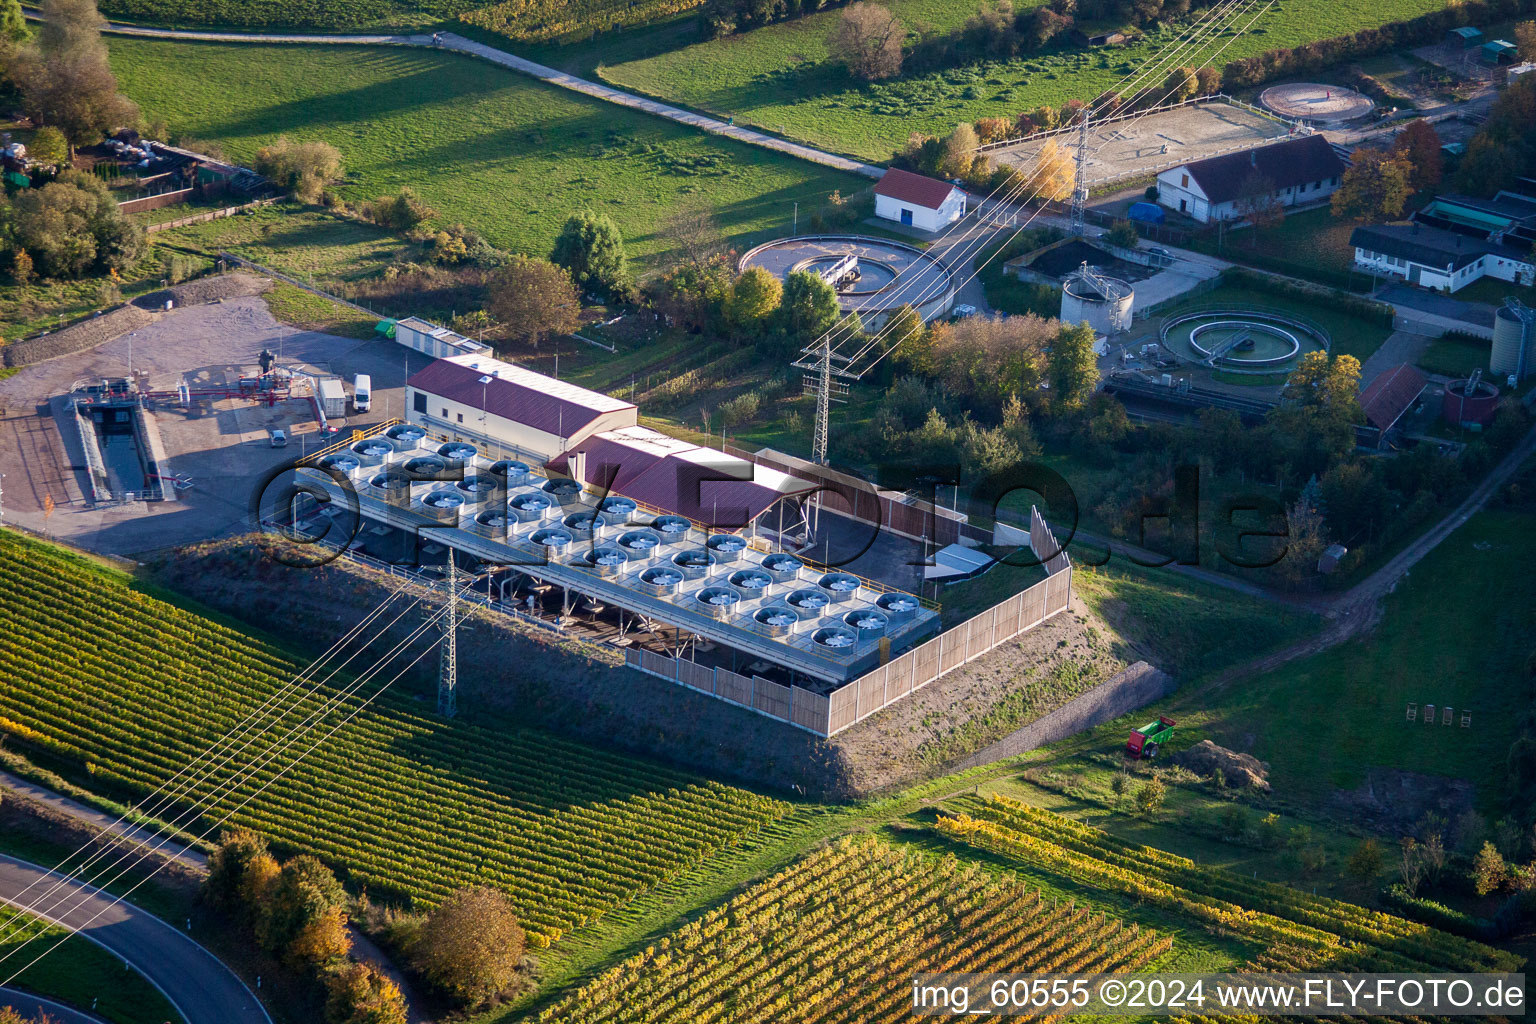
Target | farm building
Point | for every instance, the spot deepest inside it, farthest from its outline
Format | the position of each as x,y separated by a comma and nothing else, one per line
472,396
1465,37
1301,170
1499,51
1451,243
917,201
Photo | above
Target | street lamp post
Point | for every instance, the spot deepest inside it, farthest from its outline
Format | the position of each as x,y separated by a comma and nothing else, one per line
485,383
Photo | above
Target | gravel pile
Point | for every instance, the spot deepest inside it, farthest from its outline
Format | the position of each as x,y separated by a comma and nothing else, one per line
77,338
207,289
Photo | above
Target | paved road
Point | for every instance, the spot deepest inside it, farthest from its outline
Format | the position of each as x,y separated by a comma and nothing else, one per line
29,1005
193,979
459,44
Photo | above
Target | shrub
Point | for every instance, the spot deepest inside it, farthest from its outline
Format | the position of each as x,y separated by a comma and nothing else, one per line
471,945
359,994
1151,795
304,167
229,863
592,249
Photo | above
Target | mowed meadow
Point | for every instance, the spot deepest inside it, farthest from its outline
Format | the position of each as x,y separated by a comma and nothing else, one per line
779,77
499,152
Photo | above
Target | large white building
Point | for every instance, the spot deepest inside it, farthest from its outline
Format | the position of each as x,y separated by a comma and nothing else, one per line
476,397
917,201
1301,170
1453,241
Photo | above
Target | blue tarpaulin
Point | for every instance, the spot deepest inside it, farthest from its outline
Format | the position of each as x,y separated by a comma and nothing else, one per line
1147,213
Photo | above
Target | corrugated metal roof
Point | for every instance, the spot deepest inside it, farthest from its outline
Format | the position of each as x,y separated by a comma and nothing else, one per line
515,393
1391,394
917,189
677,476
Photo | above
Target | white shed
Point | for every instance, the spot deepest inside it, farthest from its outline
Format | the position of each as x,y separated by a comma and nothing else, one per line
333,398
917,201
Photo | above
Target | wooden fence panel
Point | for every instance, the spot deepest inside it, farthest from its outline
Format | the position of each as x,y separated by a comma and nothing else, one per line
809,710
982,637
871,692
898,675
696,676
927,662
733,687
840,711
770,698
659,664
1034,603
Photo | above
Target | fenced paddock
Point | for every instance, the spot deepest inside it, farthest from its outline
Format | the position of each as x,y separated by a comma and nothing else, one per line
827,714
1132,145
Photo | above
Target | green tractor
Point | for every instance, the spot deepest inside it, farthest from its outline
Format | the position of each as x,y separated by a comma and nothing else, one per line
1146,739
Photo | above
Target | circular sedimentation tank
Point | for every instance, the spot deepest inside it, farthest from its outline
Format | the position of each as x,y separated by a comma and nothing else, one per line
1242,341
1468,402
889,274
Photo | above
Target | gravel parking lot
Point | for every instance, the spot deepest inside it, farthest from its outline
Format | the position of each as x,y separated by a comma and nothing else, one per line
225,454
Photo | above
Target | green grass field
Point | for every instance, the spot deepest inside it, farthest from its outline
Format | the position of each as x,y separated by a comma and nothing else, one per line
777,77
1455,633
77,972
333,15
487,147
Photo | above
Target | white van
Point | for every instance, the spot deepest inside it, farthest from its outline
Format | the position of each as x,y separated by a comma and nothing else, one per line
362,392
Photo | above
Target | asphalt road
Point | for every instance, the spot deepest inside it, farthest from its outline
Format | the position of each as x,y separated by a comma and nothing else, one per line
28,1005
193,979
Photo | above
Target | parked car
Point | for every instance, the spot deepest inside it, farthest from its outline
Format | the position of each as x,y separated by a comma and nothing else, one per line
961,312
278,437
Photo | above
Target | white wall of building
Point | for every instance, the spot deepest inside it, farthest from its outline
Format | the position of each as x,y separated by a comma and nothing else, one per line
466,423
1441,277
923,218
1178,190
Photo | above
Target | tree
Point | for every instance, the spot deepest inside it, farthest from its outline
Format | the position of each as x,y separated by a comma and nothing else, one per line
228,864
1123,233
73,226
1410,865
533,299
21,267
1375,187
471,945
49,147
67,82
1365,862
867,39
1258,202
13,23
808,307
753,298
322,940
1051,174
1420,144
305,892
359,994
694,237
1319,382
1525,39
592,249
404,212
1488,870
959,152
1357,500
1073,367
1209,81
1180,85
304,167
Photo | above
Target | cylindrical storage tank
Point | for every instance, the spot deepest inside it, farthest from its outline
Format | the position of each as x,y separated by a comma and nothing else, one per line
554,541
492,523
866,622
836,638
1514,344
563,489
1105,302
407,436
345,463
672,528
776,619
607,560
510,472
481,489
584,525
661,580
754,584
840,586
530,506
784,568
371,451
809,603
392,486
427,467
617,509
717,602
898,607
640,545
726,547
695,564
443,505
1466,404
457,454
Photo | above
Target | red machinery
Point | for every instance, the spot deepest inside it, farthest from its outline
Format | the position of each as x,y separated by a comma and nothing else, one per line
1146,739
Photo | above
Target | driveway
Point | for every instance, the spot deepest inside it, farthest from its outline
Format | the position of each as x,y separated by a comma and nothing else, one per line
193,979
1403,296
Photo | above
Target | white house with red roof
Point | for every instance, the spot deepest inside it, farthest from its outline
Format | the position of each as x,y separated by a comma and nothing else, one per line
917,201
